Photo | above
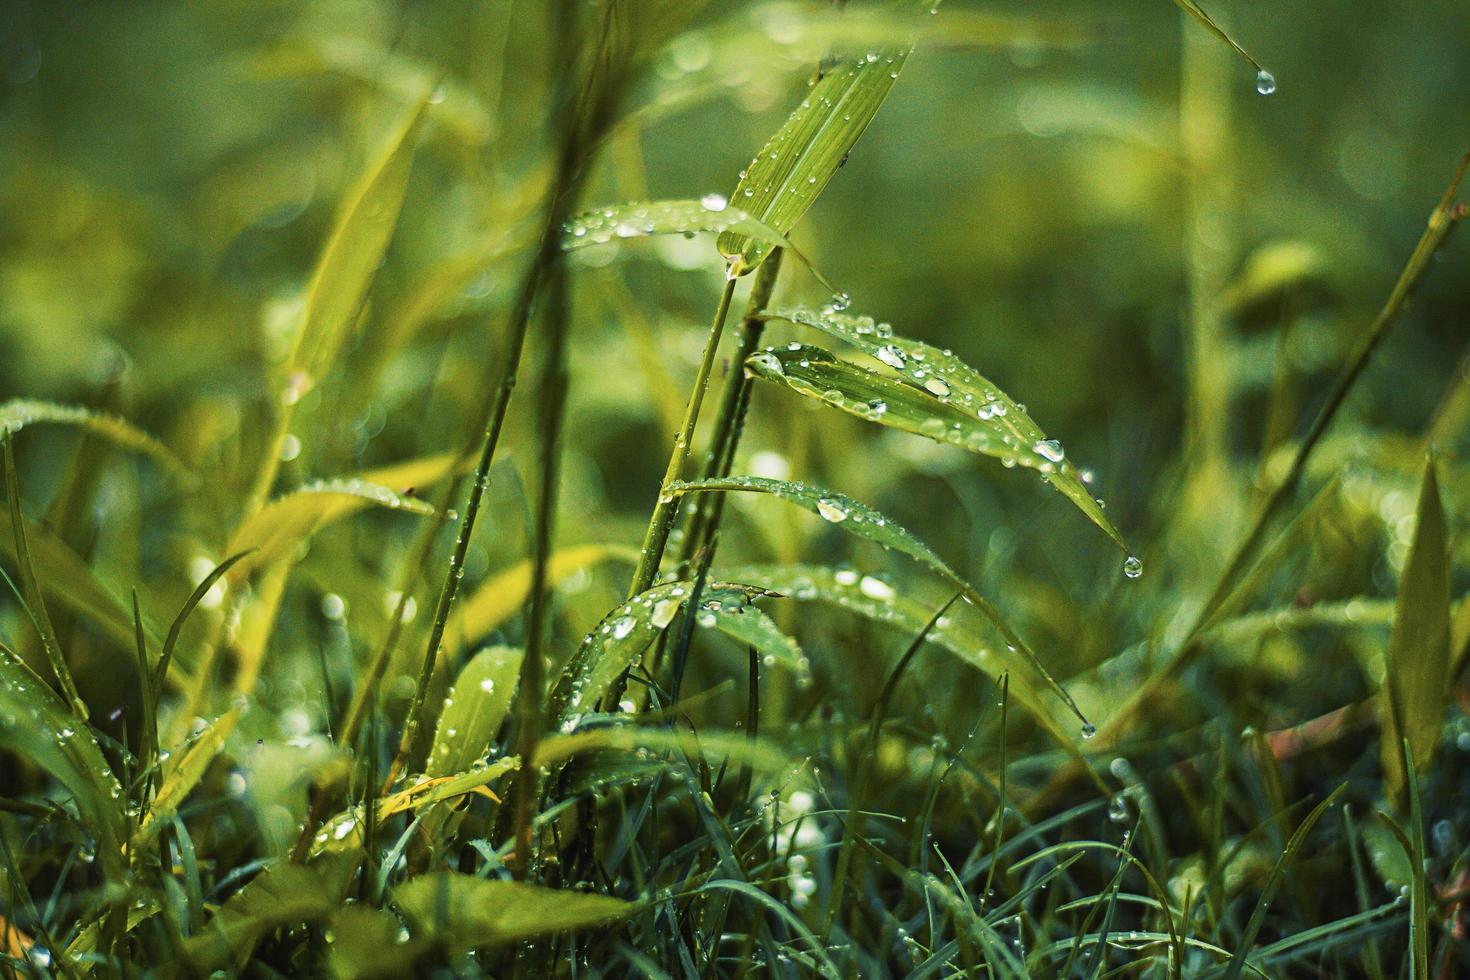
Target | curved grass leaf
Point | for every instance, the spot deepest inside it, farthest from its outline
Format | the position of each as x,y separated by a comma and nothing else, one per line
622,636
794,166
355,249
499,597
948,379
466,912
937,407
863,521
183,773
473,712
637,220
737,747
1194,10
20,413
281,524
36,724
1418,657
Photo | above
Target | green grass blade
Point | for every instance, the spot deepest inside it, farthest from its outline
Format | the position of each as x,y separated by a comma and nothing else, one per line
1244,947
942,375
31,586
35,723
1194,10
283,523
863,521
466,912
794,166
1419,647
474,711
20,413
637,220
171,642
183,772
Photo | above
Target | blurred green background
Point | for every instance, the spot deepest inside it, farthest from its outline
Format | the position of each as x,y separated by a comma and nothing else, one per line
1090,204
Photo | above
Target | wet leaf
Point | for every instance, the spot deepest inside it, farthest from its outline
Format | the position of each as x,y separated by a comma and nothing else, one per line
638,220
473,712
469,912
20,413
794,166
182,773
938,398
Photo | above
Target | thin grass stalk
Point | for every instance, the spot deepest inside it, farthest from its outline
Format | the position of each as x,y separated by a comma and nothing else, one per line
667,505
530,711
1442,221
579,134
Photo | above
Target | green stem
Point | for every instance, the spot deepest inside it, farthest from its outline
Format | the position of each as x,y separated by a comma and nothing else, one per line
664,511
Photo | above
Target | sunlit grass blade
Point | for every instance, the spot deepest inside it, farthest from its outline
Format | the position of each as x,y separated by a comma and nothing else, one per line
36,724
171,642
182,773
504,593
1418,658
863,521
20,413
761,753
467,912
283,523
474,711
794,166
641,219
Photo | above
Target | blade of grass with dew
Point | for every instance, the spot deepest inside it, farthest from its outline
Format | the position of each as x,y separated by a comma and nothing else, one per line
622,636
36,724
1245,945
474,710
1418,658
794,167
1265,81
283,523
182,773
20,413
863,521
464,911
819,374
950,380
504,593
35,602
760,753
640,219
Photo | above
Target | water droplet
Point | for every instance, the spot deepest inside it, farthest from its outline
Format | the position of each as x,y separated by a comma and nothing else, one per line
1118,809
714,202
1088,729
1265,82
623,627
891,356
1132,567
840,301
875,588
937,386
830,510
1050,449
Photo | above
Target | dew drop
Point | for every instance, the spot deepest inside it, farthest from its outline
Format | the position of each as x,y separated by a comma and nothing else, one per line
622,627
831,511
1118,809
937,386
1050,449
840,301
1088,730
1265,82
891,356
714,202
1132,567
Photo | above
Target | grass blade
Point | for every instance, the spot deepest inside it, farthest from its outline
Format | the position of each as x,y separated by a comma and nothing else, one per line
474,711
794,166
1419,647
183,773
20,413
467,912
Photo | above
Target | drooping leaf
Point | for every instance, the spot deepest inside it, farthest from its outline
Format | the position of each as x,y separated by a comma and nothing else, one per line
1419,647
499,597
794,166
473,712
36,724
469,912
368,943
355,249
182,773
284,522
19,413
640,219
863,521
946,405
762,753
622,636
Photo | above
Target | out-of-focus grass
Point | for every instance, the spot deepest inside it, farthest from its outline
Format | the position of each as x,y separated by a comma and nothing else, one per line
297,247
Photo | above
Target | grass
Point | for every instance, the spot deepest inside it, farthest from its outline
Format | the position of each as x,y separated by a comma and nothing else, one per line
327,647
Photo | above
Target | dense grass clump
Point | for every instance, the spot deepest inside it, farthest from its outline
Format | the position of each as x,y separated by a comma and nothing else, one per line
462,518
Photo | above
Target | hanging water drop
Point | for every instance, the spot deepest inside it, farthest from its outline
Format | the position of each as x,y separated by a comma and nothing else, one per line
831,511
1088,729
1132,567
1118,809
1265,82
